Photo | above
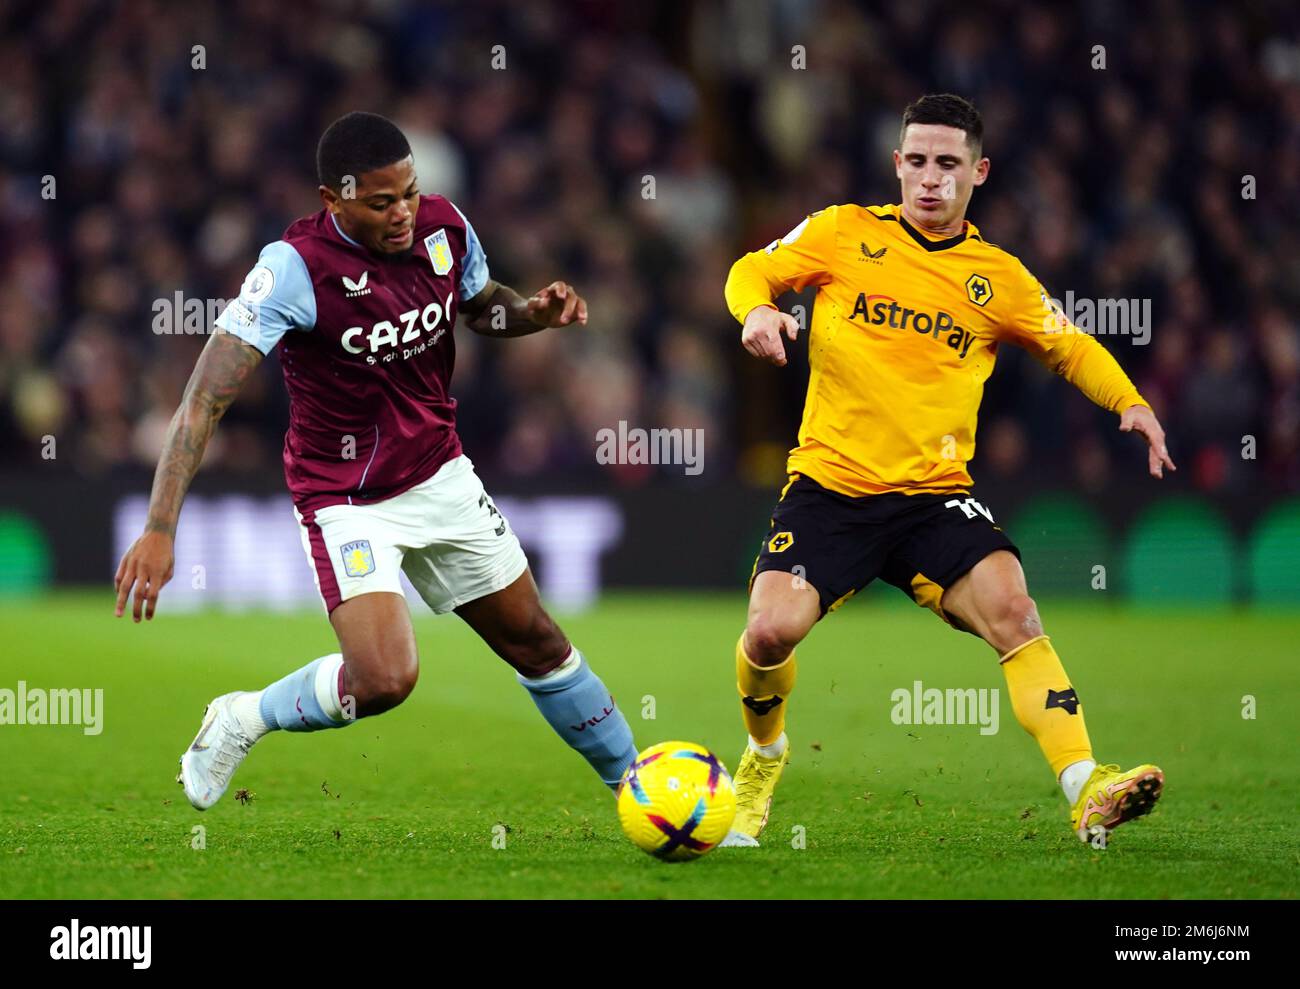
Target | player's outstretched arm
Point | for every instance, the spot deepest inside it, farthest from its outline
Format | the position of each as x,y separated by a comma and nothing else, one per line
500,311
222,369
1088,366
1037,323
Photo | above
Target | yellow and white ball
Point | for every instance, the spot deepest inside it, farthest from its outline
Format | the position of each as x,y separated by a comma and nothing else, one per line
676,801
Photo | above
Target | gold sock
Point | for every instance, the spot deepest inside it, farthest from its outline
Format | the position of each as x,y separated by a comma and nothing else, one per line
1045,704
763,691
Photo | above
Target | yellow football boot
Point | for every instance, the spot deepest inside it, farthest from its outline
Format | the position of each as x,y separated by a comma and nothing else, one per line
1111,797
755,781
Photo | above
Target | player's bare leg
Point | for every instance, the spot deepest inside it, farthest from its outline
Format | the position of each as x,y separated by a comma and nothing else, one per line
570,696
375,670
783,608
517,628
993,601
380,664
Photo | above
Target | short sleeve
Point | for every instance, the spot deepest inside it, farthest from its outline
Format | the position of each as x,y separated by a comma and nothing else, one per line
473,267
276,297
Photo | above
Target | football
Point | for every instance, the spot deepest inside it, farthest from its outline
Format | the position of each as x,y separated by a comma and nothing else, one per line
676,801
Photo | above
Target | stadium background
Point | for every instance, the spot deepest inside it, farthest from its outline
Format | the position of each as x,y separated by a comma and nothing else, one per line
1124,182
173,165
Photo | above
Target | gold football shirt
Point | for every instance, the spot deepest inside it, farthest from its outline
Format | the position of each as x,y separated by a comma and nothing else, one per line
904,334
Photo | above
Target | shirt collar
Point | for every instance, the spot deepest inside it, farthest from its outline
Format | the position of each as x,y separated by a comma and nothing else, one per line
335,221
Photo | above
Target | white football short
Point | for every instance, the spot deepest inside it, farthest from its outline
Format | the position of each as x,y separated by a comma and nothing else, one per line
445,534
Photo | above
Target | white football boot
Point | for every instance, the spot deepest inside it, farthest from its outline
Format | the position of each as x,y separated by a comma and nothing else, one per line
214,755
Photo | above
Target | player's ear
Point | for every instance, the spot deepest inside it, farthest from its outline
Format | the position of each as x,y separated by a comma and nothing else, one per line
898,164
981,172
329,198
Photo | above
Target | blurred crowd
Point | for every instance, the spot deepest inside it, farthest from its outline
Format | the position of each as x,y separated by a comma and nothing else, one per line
636,149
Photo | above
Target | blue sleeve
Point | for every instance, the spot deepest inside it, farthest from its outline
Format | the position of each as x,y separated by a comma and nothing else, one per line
473,268
277,296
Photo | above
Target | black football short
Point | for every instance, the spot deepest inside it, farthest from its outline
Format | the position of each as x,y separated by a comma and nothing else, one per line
922,543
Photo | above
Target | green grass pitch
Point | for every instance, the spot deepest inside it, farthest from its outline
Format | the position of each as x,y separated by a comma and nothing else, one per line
404,805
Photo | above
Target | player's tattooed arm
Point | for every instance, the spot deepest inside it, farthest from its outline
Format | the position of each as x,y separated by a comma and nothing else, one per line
221,370
500,311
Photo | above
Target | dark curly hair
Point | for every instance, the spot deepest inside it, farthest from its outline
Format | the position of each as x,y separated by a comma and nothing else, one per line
355,143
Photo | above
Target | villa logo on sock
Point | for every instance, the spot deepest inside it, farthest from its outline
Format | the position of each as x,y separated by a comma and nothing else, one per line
594,720
1066,699
763,706
358,560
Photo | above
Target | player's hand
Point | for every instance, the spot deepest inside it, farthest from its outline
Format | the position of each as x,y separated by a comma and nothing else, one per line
762,333
559,304
146,567
1138,418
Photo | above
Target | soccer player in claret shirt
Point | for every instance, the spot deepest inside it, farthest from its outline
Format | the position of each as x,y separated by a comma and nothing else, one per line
362,299
912,304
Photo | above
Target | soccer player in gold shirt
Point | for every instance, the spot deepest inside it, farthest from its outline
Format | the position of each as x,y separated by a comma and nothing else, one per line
911,306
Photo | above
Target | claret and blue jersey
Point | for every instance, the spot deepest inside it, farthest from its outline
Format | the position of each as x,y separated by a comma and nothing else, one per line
367,350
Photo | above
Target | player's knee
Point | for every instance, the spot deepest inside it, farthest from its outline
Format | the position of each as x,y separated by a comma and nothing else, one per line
1015,621
769,640
382,683
393,687
539,648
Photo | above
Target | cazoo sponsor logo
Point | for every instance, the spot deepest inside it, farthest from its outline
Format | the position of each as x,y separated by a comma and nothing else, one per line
415,331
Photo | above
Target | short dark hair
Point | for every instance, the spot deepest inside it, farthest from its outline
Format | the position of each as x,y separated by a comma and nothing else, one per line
951,111
358,142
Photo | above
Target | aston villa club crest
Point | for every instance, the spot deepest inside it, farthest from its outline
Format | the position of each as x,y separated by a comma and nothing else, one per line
439,251
358,560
